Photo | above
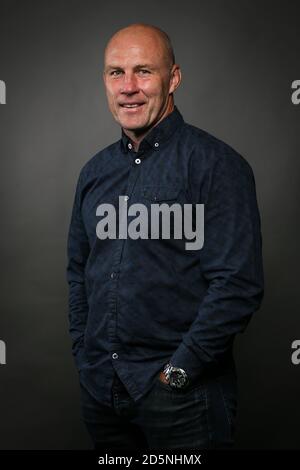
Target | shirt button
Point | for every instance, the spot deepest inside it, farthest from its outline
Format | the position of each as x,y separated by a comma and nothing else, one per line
113,275
156,144
126,198
130,146
137,161
115,356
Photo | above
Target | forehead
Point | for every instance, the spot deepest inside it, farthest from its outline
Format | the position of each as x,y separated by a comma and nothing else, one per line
133,49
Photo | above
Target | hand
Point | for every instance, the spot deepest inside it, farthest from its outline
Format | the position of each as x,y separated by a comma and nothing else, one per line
163,378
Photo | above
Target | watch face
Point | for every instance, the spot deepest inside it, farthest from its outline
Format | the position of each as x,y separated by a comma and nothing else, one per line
178,379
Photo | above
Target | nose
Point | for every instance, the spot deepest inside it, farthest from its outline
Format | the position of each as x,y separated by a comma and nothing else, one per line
129,84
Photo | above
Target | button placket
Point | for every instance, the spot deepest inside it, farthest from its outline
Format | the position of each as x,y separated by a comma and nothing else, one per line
115,266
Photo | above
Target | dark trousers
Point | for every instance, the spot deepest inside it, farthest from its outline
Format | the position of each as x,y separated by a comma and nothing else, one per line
200,417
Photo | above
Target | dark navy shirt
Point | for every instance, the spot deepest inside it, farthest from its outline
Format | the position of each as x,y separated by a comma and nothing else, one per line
136,304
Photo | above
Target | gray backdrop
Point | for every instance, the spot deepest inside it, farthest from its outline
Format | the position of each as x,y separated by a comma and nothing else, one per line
238,60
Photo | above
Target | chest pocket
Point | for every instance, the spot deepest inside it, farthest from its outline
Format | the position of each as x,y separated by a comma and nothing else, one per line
160,193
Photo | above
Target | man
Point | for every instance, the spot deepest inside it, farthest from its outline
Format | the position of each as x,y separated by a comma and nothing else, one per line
152,322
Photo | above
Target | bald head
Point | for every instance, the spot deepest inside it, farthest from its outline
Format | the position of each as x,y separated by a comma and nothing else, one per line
154,35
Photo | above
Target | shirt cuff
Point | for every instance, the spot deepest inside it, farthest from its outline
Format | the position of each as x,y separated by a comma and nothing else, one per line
79,354
186,359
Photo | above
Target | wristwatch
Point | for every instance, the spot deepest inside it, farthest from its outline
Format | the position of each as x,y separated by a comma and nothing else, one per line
176,376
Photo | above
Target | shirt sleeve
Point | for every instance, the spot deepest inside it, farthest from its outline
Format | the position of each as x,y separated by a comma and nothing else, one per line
231,263
77,251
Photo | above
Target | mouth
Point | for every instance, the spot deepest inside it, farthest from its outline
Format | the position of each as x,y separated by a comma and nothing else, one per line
131,107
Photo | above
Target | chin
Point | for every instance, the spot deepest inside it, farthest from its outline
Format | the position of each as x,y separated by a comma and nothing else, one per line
131,126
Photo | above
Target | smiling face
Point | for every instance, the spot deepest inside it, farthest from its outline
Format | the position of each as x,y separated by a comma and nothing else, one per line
139,79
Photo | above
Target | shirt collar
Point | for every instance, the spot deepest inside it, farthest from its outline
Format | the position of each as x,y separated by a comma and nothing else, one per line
158,134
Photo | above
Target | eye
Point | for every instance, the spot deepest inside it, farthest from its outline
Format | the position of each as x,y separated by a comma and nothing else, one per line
144,71
115,73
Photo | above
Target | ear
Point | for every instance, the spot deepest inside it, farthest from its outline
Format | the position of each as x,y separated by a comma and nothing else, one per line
175,78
